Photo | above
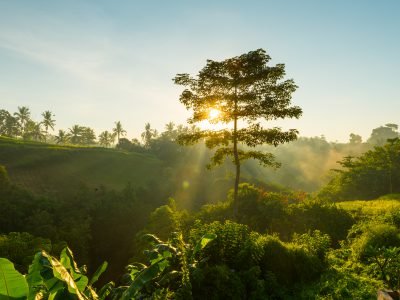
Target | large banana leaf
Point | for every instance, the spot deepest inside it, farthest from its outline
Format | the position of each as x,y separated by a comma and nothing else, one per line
13,285
68,261
61,273
98,273
34,278
207,238
143,278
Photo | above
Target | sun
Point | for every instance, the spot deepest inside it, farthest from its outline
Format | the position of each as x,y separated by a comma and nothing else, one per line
213,113
212,122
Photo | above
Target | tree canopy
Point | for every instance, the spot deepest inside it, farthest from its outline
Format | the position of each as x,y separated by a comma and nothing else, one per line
242,88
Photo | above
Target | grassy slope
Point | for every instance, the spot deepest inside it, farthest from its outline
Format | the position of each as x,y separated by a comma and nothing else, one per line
371,207
46,168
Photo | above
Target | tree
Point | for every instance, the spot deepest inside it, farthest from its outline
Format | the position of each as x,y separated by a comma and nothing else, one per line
8,124
75,133
106,138
148,135
62,137
380,135
242,88
355,138
88,136
375,173
118,130
48,121
23,116
170,131
33,131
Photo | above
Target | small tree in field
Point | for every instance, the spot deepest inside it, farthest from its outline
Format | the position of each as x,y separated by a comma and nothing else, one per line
242,88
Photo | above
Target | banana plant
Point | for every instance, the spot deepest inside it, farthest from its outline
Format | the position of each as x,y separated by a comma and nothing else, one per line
52,279
168,269
12,284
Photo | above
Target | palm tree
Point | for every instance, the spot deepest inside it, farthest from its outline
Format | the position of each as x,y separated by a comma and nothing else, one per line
37,133
33,131
170,132
62,137
148,135
75,133
106,138
118,130
48,122
23,116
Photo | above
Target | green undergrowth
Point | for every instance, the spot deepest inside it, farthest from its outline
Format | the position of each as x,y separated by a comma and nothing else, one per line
370,208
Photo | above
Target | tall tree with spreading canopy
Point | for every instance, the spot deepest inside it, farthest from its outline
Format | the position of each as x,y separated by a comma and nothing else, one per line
243,88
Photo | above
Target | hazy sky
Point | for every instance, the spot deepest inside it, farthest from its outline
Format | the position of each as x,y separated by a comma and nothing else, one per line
96,62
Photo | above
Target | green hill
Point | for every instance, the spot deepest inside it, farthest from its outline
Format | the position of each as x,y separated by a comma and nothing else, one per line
51,168
371,208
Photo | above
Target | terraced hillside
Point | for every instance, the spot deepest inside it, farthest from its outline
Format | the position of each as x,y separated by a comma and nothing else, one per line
52,168
372,208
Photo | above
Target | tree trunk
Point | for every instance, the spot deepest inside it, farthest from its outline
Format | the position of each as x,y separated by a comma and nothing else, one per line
237,161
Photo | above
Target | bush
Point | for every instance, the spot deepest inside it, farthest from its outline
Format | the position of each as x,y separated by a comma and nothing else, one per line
374,236
217,282
20,248
327,218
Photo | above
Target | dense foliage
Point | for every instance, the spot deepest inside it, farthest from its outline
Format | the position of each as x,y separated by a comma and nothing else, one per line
284,244
373,174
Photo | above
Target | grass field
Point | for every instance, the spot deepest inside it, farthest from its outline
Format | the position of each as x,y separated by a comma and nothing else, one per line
371,207
45,168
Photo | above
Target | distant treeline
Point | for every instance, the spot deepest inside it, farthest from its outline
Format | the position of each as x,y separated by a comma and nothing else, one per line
20,125
305,163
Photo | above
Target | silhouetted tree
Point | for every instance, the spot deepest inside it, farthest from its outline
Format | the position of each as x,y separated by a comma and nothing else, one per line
106,138
33,131
148,135
48,121
8,124
242,88
75,134
355,139
23,115
62,137
118,130
380,135
88,136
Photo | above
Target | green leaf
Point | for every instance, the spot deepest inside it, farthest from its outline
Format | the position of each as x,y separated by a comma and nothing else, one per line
68,261
13,285
62,274
151,238
82,282
34,278
91,293
106,290
144,277
205,240
100,270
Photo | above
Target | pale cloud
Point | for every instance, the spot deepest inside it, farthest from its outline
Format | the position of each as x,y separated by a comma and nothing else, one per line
84,65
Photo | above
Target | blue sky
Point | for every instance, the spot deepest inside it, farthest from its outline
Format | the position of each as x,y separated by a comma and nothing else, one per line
96,62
